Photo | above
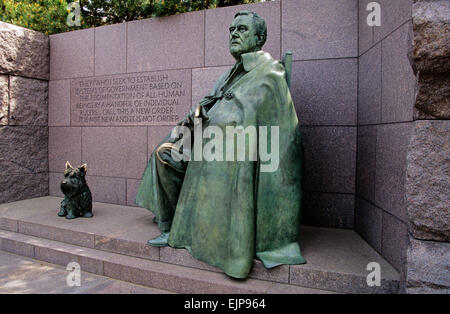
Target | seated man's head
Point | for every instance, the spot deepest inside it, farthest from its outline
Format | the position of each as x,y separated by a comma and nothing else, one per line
248,33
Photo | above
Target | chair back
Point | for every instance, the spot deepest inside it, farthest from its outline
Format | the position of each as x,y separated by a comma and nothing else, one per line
287,63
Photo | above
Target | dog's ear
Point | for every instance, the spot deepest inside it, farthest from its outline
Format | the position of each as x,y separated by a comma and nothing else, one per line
83,169
68,165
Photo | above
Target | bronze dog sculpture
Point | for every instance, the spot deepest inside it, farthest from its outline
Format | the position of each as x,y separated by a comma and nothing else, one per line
77,200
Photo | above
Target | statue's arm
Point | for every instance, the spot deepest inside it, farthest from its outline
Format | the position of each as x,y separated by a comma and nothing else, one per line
199,108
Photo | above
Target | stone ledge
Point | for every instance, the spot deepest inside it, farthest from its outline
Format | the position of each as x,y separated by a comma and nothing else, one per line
337,259
144,272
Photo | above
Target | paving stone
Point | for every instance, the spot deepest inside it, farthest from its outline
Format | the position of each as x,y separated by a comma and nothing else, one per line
29,276
330,263
8,224
56,234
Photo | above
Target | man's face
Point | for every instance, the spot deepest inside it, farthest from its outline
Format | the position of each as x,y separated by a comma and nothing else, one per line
243,36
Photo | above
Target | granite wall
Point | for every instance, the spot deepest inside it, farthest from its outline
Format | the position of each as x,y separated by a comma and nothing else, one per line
189,51
402,164
386,95
375,136
24,75
428,158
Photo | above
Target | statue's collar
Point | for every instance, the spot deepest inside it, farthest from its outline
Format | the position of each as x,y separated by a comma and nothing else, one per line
252,59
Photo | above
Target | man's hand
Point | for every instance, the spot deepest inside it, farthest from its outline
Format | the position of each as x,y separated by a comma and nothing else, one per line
200,113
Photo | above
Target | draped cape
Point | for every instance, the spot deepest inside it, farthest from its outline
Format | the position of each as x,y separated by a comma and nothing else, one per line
229,212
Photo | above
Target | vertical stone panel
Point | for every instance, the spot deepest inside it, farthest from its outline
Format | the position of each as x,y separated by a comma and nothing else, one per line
16,187
330,159
64,144
431,24
23,149
365,31
392,145
107,189
72,54
23,52
428,180
203,81
394,241
111,49
325,91
4,99
54,179
319,29
368,222
366,162
115,151
59,103
393,14
328,210
398,77
155,135
428,269
29,101
369,87
173,42
132,188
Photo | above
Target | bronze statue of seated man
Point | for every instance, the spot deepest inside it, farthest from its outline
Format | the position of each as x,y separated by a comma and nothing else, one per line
227,211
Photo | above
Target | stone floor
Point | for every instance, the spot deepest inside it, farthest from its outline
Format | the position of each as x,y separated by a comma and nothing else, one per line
23,275
113,244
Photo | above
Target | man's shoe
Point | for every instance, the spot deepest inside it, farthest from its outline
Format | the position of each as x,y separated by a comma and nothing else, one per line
160,241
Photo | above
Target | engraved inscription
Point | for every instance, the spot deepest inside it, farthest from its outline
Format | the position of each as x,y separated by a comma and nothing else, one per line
147,98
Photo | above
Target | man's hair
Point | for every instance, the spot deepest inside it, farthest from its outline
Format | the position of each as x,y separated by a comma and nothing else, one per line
260,24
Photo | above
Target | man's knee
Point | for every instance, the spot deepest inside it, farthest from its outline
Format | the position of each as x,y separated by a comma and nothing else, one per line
164,156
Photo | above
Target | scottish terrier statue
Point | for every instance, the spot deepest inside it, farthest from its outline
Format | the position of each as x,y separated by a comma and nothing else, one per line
77,200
